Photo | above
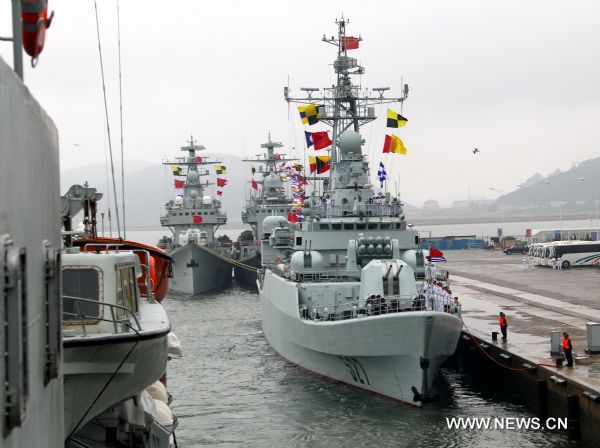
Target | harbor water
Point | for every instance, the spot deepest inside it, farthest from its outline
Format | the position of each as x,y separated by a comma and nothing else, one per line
230,389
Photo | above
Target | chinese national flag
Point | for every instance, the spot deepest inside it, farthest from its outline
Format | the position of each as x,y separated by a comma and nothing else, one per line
350,43
254,184
321,139
179,183
221,182
197,219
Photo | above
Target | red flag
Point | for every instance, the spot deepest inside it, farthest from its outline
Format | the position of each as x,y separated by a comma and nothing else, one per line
221,182
321,139
292,217
198,159
197,219
254,184
219,193
179,183
276,156
387,145
349,43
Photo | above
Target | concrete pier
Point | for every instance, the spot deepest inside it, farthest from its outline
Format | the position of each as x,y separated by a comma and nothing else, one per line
536,303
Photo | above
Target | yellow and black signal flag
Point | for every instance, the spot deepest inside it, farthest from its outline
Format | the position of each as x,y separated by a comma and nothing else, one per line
320,164
309,113
395,120
177,170
221,169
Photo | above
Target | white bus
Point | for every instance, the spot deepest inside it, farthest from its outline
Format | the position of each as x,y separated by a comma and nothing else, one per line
576,253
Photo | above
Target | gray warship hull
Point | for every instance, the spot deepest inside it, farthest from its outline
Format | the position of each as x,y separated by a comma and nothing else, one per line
380,354
247,277
197,270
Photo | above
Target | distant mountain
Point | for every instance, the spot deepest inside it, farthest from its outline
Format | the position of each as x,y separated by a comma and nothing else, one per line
565,187
149,186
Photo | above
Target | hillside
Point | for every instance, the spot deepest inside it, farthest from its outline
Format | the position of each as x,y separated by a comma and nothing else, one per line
565,187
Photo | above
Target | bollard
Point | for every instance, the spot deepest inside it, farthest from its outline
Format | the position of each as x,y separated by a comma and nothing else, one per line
494,335
559,362
542,398
573,422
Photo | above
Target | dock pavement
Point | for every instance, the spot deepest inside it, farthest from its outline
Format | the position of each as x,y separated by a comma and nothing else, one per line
535,303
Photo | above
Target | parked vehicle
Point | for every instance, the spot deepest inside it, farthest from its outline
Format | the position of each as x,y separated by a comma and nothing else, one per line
520,247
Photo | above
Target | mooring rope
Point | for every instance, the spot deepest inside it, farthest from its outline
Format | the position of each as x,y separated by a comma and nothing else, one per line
523,369
230,260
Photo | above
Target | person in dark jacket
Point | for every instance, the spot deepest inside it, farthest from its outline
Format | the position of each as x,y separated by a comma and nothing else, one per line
568,347
503,325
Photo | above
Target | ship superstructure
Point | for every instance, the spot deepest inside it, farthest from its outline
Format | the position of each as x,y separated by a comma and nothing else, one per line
343,294
199,259
268,197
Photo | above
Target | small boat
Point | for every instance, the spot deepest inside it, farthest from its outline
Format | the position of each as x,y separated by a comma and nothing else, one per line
115,341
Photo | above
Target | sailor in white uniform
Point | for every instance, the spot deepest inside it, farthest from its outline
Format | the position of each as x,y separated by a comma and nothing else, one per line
532,263
524,262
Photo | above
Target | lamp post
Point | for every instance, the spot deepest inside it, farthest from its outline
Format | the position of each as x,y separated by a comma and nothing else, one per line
583,179
547,182
501,209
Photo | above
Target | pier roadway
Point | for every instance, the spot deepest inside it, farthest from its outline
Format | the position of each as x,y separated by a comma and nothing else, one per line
535,303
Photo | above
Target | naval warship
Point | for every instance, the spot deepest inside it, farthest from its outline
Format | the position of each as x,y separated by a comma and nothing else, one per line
343,293
200,261
268,198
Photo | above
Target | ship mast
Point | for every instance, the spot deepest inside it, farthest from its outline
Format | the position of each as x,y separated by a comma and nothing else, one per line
345,105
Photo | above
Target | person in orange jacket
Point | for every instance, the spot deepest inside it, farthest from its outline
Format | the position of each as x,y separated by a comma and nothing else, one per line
503,325
568,347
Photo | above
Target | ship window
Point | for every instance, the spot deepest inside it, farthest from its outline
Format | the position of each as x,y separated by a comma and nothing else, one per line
81,283
417,240
126,292
323,226
385,225
397,225
348,226
212,213
361,226
336,226
187,213
298,241
373,226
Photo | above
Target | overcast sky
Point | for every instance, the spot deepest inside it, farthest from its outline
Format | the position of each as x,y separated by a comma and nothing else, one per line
518,79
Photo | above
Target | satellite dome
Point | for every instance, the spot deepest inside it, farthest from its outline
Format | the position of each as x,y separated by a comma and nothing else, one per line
350,141
193,194
272,181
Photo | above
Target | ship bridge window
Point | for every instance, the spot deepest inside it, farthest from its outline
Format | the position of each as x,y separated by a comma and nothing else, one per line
373,226
336,226
126,290
397,225
348,226
361,226
323,226
385,225
81,283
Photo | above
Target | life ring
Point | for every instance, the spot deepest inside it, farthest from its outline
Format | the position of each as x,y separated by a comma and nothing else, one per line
35,22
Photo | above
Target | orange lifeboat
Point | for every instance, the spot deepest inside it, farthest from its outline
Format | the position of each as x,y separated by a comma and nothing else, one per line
156,270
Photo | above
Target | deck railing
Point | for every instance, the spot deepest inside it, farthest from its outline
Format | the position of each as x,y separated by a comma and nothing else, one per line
376,307
118,324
